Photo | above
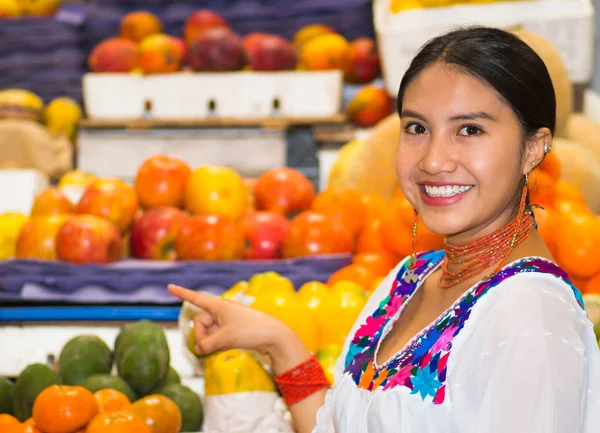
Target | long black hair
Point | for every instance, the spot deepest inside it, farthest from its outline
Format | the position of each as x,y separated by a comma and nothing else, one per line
500,59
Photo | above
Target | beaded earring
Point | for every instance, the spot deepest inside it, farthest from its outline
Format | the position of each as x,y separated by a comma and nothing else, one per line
410,276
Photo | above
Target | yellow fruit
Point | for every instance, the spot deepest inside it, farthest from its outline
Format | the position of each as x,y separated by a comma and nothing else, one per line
313,294
324,52
235,371
62,116
234,291
403,5
340,170
288,309
76,178
436,3
20,104
10,9
308,32
584,130
269,282
328,357
11,224
40,7
339,313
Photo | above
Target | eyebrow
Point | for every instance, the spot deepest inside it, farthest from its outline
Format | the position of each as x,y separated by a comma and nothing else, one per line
466,116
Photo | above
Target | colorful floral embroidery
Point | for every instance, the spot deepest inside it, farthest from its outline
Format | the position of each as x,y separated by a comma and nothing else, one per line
422,365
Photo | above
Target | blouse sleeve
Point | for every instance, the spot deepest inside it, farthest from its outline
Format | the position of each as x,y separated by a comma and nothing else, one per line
523,366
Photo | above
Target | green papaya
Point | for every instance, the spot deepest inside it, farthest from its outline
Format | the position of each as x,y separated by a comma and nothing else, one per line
30,383
7,390
189,404
106,381
142,356
83,356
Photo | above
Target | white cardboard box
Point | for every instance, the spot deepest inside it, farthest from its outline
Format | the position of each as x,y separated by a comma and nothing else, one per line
186,95
568,24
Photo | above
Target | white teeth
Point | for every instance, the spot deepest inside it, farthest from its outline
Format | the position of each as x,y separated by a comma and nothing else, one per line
445,191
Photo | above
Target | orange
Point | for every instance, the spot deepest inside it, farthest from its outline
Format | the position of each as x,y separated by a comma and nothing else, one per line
547,220
7,422
369,106
324,52
381,263
124,421
580,283
541,187
577,241
159,413
28,426
370,239
343,205
64,409
374,205
592,286
569,207
397,230
359,274
111,400
568,191
551,166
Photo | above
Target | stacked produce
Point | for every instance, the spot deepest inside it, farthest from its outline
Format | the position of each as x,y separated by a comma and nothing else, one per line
60,116
94,389
10,9
211,45
211,213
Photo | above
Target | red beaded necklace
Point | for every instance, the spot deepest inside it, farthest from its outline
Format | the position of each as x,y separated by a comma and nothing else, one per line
474,257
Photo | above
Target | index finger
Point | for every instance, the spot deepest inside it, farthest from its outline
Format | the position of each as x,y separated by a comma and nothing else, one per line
198,299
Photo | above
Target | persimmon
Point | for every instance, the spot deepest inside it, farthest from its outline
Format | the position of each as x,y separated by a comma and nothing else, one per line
160,413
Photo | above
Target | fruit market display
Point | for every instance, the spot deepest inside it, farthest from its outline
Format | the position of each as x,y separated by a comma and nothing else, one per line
60,116
12,9
91,388
174,212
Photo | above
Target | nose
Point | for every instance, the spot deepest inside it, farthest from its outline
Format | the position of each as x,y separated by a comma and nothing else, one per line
437,157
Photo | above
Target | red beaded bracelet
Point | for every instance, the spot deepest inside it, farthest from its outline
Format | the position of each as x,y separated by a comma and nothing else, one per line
301,381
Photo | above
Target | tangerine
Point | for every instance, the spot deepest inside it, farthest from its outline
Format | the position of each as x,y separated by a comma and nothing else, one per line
577,239
343,205
7,422
381,263
159,413
551,166
324,52
370,238
541,187
64,409
111,400
592,286
568,191
374,205
124,421
357,273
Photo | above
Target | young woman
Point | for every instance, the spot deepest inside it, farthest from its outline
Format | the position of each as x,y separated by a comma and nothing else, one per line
486,336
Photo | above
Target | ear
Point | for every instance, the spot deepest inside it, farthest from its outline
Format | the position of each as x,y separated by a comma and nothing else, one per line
536,148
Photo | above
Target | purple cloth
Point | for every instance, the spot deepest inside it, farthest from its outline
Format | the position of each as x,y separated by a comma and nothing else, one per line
143,281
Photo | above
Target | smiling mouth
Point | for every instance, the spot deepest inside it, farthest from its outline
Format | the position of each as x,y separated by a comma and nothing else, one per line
446,190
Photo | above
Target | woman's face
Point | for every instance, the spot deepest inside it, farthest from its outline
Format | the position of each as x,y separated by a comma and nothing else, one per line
460,159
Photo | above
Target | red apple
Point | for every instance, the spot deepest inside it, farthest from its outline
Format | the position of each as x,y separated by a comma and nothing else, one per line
161,181
51,201
154,233
88,239
268,52
217,50
37,239
362,61
264,233
200,21
285,191
210,237
183,49
112,199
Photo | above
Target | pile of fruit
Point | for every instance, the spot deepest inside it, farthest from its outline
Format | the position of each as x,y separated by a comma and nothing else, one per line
81,394
60,116
175,213
397,6
211,45
10,9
